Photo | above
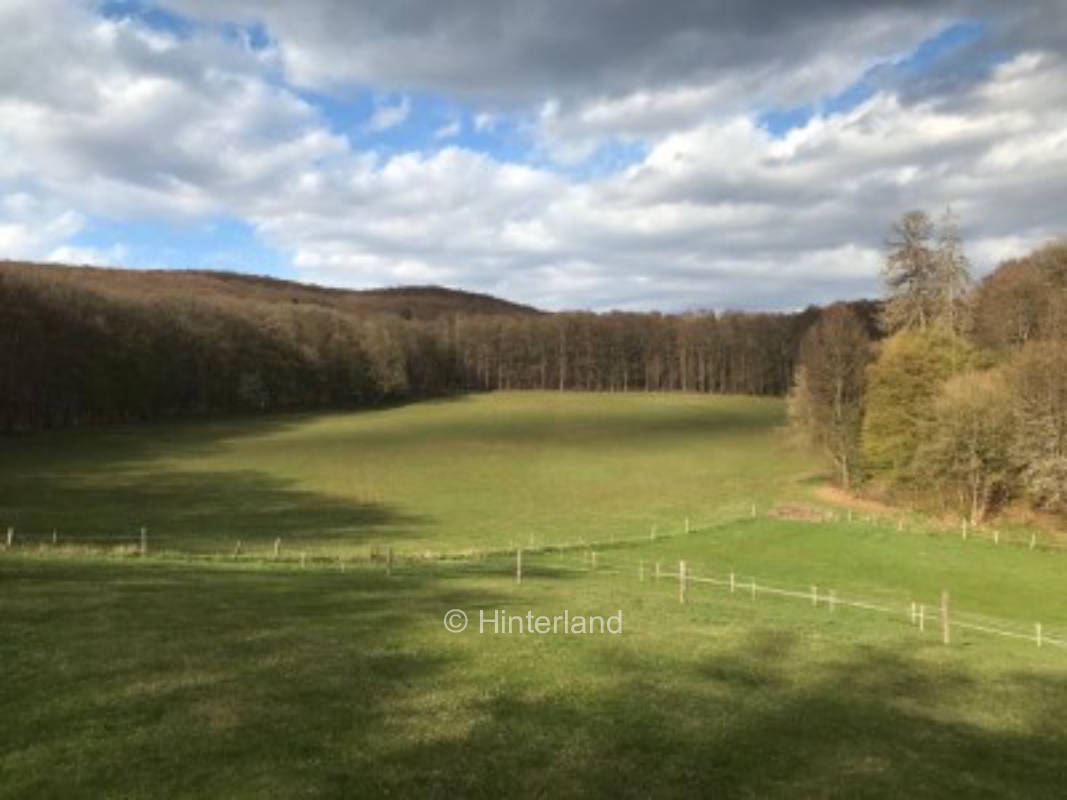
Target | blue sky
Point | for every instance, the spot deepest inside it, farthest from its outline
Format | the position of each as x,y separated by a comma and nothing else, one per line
592,157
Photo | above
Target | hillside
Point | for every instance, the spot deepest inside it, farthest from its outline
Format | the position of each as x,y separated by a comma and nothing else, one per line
410,302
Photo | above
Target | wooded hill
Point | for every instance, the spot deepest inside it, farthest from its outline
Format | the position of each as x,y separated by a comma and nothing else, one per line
86,345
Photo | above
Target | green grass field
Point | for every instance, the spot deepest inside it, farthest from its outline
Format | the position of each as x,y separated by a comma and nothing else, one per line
164,676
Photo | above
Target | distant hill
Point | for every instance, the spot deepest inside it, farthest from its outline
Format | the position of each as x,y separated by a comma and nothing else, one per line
409,302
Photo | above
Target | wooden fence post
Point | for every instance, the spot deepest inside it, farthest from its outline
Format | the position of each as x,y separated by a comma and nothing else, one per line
732,583
681,581
996,536
945,636
144,541
922,617
10,537
963,529
518,565
1037,633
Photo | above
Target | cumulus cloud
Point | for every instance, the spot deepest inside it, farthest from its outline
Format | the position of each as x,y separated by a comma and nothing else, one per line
113,117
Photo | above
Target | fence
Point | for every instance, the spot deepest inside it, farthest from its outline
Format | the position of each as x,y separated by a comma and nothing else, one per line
919,614
940,615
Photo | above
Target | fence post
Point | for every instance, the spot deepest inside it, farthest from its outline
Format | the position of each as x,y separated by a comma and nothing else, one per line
1037,633
753,511
922,617
681,581
10,537
277,546
963,529
518,565
144,541
389,561
833,600
814,596
944,617
1033,540
996,536
732,584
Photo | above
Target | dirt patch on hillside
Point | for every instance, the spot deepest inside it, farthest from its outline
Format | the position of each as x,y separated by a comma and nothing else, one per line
839,497
800,513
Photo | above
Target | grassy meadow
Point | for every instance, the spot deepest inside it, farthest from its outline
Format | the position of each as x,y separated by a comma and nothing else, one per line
164,676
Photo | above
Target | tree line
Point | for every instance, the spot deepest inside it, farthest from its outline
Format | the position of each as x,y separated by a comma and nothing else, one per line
85,346
963,404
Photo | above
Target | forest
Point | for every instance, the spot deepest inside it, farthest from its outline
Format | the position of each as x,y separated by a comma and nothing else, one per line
91,346
963,405
950,391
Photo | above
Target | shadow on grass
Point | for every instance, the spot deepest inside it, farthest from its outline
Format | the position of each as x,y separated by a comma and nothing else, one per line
866,728
209,511
101,486
153,680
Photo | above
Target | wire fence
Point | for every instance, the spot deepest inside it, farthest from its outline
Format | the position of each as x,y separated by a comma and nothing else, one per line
938,615
920,614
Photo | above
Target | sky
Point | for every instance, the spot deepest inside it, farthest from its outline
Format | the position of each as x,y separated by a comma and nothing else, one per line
603,154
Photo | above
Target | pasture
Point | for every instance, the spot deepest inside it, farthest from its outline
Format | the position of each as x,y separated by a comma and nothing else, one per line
175,675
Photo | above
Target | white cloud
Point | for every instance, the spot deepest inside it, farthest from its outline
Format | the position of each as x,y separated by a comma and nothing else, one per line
449,130
387,116
109,117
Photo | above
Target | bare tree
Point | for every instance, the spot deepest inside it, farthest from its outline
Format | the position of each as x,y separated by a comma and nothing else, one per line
827,398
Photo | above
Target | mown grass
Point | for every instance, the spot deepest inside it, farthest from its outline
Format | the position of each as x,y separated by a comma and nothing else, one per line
153,677
483,471
146,680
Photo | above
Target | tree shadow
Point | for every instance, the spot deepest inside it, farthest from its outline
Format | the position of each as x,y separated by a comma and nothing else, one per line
747,729
108,483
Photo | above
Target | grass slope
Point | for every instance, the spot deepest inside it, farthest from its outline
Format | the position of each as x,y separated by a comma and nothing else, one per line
478,471
148,678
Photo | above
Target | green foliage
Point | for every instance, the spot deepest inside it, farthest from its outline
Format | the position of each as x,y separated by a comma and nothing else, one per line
967,447
902,386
